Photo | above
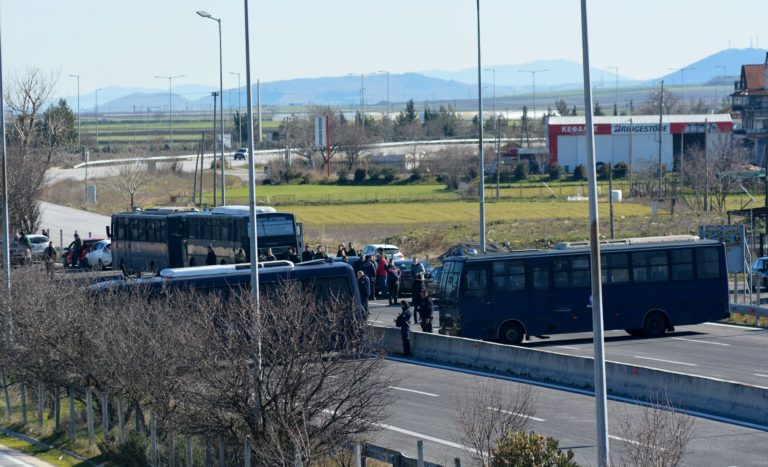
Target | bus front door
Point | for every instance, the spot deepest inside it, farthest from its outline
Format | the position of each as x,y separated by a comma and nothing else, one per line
477,305
540,301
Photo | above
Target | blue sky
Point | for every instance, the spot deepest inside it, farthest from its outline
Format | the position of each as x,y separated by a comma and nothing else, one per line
128,42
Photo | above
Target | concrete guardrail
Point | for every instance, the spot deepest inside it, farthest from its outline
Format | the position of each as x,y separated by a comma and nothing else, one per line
706,395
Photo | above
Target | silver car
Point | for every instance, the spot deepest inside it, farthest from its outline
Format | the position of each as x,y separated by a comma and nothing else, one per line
760,273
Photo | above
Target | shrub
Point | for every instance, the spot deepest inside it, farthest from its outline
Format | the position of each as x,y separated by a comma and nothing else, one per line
620,170
601,169
507,174
519,449
131,453
522,169
415,175
343,174
556,172
580,173
360,175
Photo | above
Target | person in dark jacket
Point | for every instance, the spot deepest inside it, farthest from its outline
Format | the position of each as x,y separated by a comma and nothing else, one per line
425,311
358,265
364,287
416,288
77,250
210,258
270,256
49,256
341,252
351,250
405,329
393,282
292,256
240,256
320,253
307,254
369,269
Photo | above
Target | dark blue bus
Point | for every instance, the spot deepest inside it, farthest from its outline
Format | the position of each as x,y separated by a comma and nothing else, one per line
325,277
649,286
156,239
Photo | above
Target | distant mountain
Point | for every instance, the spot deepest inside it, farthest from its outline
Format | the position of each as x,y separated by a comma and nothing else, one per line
710,68
156,101
559,73
112,98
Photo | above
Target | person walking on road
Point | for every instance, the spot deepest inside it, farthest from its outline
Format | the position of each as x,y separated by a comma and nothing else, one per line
425,310
416,288
364,287
49,257
393,282
405,329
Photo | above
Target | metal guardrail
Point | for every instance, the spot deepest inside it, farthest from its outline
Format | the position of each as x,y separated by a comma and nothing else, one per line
749,309
390,456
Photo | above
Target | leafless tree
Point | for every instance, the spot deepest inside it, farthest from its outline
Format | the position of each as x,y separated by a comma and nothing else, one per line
488,413
717,171
651,104
454,165
352,141
299,134
130,179
657,437
296,374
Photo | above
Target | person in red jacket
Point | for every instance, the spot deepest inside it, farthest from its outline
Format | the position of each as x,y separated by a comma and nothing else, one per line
381,276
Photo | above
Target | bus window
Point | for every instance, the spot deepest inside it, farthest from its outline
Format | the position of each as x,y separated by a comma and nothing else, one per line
540,276
650,266
450,280
149,230
476,283
161,231
135,229
508,276
707,264
225,230
681,264
615,268
571,272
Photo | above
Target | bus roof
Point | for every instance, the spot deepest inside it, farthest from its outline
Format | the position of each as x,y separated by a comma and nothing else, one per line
220,269
241,209
584,249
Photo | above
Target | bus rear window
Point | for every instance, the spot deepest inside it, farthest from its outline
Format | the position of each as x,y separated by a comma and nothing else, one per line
707,263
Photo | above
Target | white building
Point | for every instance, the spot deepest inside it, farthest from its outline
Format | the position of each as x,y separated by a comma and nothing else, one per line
567,140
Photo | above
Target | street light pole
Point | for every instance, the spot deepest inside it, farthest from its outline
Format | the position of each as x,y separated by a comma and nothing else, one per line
205,14
481,187
170,105
215,95
97,118
723,67
682,135
496,133
78,109
533,75
239,116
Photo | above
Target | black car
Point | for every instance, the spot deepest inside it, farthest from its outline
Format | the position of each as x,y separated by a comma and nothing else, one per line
240,154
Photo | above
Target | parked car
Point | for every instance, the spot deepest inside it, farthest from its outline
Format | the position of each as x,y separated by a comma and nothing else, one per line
100,255
240,154
391,251
406,275
87,245
433,279
760,273
38,242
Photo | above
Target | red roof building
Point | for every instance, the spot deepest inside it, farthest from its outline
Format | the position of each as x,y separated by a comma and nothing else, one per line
750,99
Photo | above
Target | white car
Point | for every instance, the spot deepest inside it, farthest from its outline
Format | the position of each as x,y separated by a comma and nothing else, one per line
390,251
100,255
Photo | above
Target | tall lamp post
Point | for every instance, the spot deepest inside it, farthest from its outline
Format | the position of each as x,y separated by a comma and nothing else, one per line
78,109
481,186
533,76
723,67
205,14
97,117
389,123
239,116
682,135
496,134
170,104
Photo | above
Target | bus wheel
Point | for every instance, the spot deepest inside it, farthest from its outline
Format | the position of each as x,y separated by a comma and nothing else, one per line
512,333
656,324
635,332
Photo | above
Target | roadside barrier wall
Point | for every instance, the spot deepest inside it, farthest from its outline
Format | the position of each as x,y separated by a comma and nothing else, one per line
694,393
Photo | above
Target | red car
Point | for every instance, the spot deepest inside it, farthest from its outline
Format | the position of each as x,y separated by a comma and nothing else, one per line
87,244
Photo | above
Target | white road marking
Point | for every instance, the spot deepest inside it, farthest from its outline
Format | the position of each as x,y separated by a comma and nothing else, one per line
636,443
567,347
665,361
425,437
737,326
518,414
762,376
701,341
414,391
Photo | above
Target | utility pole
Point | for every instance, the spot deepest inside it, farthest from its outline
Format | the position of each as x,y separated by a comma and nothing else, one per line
79,145
631,153
661,127
706,167
481,191
258,109
170,105
617,86
239,115
215,95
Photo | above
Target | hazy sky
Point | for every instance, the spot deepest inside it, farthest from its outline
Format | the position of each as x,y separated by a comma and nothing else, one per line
128,42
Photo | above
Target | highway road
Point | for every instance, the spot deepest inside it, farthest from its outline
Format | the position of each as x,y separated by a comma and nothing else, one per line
12,458
63,222
426,397
729,352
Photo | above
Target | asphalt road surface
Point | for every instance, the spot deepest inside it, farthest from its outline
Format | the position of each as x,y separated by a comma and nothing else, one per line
13,458
425,399
63,222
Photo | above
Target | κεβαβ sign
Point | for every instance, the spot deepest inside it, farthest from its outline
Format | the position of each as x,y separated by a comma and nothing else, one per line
733,237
